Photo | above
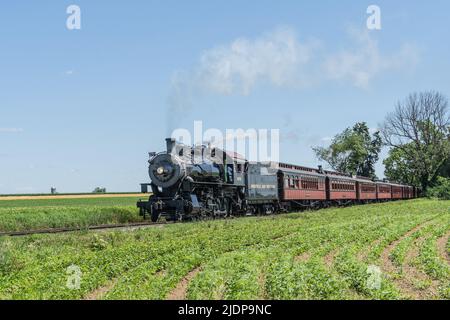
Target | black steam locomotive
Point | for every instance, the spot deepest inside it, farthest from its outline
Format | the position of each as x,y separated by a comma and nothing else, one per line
192,183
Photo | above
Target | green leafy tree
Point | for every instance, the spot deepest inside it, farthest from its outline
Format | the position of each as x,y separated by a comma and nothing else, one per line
445,170
420,128
354,151
400,167
99,190
440,189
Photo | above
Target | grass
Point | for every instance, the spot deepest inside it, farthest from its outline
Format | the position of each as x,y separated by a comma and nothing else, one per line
310,255
21,215
78,202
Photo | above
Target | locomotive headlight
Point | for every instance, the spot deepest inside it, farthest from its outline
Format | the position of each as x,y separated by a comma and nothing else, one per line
160,170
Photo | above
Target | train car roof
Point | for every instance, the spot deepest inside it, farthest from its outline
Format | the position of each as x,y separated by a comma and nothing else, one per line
294,169
338,177
297,172
382,182
397,184
364,180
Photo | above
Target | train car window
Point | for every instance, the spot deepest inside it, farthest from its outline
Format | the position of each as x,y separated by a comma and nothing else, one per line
239,168
292,183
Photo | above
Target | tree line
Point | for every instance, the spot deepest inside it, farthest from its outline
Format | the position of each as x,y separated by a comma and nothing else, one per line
417,133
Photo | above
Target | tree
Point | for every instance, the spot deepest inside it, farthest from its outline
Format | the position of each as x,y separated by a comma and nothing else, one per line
445,170
420,128
99,190
354,151
440,189
399,167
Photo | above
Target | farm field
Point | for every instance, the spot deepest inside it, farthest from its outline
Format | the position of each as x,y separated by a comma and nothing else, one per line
396,250
62,211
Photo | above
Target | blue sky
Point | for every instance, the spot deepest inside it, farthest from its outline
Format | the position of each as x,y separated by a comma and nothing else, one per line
81,108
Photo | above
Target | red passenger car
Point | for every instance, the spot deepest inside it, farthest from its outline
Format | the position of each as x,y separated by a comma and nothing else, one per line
397,191
409,192
301,184
366,190
340,188
384,191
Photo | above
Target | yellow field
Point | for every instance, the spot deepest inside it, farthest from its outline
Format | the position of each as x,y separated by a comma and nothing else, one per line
74,196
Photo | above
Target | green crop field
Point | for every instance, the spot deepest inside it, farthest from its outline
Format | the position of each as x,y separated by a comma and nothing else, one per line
21,215
383,251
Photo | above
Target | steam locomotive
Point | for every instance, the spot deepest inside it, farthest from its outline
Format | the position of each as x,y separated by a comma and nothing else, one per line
199,182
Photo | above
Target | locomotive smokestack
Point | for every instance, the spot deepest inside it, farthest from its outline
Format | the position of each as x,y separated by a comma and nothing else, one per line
170,143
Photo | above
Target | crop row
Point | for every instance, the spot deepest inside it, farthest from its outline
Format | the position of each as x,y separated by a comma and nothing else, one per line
311,255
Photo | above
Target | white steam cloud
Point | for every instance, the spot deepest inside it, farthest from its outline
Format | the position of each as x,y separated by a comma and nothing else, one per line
275,58
279,59
361,64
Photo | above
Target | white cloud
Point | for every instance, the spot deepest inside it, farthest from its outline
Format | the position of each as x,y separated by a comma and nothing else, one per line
11,130
238,67
361,64
69,72
276,58
280,59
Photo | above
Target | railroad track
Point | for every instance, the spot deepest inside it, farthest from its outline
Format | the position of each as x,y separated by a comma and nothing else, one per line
74,229
97,227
